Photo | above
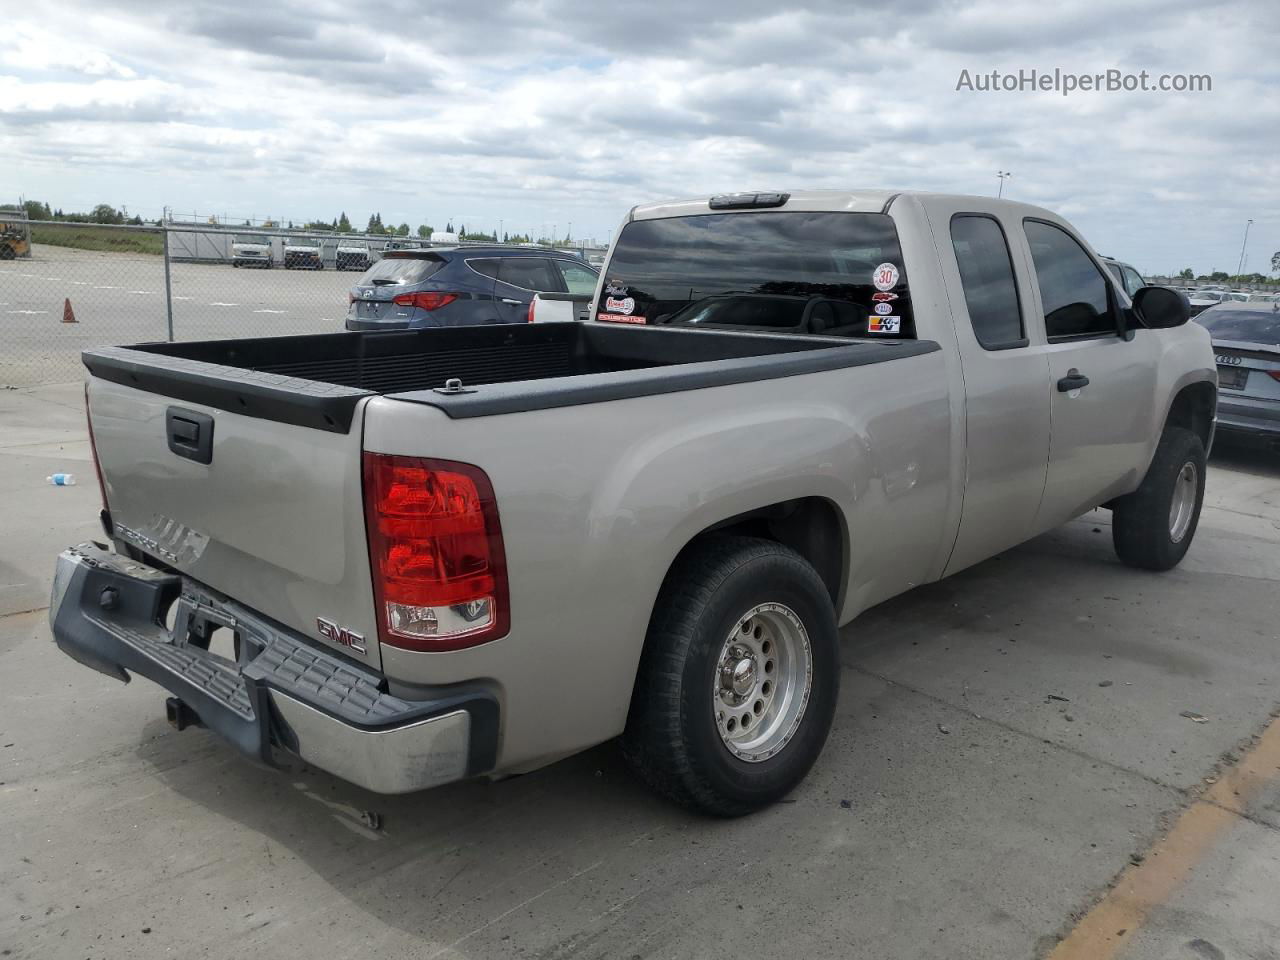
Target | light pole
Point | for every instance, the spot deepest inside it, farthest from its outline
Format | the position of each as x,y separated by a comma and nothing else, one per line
1003,175
1240,266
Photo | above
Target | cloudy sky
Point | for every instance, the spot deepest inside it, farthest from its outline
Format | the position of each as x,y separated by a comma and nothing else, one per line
543,113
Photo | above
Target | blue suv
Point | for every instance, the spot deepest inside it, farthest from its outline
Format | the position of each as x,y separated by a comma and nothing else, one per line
461,286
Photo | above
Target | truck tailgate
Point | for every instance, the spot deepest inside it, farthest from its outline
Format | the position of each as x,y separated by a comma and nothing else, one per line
274,519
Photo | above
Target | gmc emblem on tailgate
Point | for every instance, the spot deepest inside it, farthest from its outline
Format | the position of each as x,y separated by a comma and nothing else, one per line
1233,361
348,638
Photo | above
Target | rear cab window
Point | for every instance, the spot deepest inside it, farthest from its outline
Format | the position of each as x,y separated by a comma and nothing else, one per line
400,270
827,274
986,275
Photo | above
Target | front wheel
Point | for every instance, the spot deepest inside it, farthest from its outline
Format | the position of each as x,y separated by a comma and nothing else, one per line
1152,527
738,680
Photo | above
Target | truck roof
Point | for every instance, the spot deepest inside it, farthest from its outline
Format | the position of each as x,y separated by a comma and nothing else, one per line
850,201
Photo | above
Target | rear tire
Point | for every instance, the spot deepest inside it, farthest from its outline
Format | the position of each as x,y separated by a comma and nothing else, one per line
1152,527
738,680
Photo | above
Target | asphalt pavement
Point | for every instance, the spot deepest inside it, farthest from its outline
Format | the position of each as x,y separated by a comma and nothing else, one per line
119,299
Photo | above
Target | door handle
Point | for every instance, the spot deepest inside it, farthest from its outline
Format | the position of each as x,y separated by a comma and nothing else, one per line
1074,380
509,300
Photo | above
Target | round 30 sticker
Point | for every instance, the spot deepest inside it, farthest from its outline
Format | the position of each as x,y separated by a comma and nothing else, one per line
885,276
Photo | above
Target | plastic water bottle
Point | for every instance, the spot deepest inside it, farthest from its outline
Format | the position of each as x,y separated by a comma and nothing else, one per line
62,479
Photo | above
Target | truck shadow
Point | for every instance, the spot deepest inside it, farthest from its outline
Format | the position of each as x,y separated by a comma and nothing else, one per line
1245,456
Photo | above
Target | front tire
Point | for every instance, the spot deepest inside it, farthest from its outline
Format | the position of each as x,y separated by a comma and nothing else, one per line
738,680
1152,527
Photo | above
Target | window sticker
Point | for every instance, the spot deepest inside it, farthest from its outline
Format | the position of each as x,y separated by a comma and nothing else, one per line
620,305
884,309
884,324
885,277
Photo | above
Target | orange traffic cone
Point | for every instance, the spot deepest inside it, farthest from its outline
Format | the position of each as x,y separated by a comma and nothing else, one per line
68,315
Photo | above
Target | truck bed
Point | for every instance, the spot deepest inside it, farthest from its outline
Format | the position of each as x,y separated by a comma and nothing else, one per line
318,380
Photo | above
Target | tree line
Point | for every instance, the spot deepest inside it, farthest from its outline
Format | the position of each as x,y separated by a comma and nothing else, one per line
1221,276
102,213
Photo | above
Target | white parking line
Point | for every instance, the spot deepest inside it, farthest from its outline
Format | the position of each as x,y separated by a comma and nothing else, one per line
81,283
182,298
27,312
142,291
106,288
220,304
270,311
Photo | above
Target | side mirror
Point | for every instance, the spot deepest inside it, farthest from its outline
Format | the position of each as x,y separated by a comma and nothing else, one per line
1159,308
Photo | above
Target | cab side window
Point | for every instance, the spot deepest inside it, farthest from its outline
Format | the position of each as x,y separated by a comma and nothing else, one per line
1072,288
986,274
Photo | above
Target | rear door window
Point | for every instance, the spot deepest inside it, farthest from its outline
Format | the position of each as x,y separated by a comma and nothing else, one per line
1073,291
832,274
578,277
986,274
529,273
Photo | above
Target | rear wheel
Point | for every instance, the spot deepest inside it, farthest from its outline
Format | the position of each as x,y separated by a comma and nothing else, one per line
738,681
1152,527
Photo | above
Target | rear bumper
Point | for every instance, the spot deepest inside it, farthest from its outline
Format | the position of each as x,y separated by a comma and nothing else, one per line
1245,415
107,612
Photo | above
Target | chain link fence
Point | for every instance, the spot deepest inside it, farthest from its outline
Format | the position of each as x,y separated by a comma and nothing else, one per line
88,285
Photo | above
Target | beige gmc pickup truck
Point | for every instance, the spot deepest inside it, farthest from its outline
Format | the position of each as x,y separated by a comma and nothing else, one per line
416,556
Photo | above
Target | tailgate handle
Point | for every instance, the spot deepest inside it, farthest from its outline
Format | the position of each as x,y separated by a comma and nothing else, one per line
190,434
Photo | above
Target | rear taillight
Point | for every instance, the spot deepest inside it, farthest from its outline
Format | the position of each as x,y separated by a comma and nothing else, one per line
532,307
1274,374
426,300
93,449
435,549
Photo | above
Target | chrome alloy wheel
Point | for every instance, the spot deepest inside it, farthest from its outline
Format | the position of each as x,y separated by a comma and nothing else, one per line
1182,506
762,682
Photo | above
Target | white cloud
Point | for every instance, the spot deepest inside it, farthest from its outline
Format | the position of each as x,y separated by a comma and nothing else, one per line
549,111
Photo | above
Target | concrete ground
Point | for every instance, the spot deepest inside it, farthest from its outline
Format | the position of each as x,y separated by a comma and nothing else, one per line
1011,774
118,298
